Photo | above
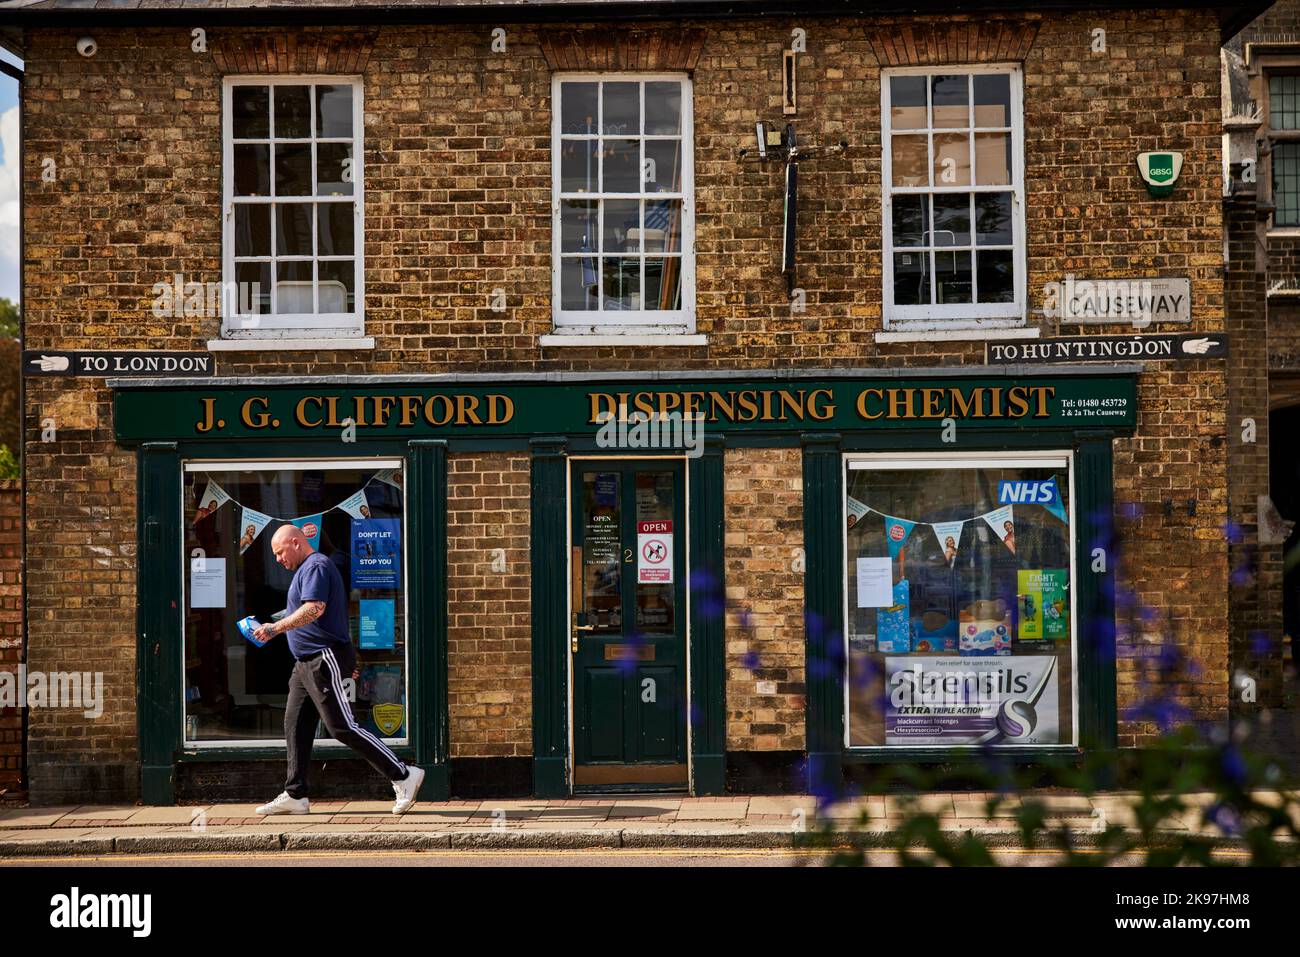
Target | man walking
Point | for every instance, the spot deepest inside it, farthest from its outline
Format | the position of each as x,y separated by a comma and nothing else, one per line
318,638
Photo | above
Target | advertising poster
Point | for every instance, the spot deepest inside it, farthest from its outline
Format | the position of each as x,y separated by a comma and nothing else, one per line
375,626
855,510
356,505
896,532
1042,604
956,701
376,552
310,525
654,552
213,497
949,536
251,523
1002,521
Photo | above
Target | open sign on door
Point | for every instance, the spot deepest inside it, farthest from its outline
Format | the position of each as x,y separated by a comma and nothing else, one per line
654,560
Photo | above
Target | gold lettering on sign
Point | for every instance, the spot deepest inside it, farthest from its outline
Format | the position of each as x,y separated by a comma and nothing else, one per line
300,412
209,416
259,420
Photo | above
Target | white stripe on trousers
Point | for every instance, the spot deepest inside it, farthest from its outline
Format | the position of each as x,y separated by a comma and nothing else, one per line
337,682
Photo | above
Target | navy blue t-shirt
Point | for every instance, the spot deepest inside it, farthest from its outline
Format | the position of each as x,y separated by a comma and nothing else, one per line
318,580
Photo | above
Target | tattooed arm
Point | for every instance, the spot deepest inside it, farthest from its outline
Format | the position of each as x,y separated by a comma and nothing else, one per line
308,612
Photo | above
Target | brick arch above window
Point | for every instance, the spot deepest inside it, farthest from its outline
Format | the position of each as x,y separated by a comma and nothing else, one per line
328,52
974,41
605,51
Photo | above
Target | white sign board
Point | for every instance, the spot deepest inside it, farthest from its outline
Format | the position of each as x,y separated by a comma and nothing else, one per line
654,552
208,583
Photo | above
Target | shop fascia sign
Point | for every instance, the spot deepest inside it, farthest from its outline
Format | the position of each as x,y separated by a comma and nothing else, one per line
1160,171
414,410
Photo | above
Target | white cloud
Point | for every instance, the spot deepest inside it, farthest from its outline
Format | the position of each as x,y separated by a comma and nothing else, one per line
10,170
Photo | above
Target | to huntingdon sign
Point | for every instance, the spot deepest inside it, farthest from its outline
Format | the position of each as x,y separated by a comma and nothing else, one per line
1208,345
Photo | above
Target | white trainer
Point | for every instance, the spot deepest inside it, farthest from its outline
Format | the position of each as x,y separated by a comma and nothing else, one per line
285,805
407,789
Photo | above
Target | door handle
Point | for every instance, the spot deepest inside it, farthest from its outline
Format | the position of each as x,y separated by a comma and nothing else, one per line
576,629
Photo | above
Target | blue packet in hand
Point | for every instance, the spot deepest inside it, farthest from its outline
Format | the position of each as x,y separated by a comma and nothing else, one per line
247,627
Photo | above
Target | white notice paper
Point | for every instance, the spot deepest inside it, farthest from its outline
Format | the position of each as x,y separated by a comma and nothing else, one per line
208,583
875,582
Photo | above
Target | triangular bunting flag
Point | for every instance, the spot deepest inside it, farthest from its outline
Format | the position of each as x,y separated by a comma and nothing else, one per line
896,532
949,536
213,497
1002,522
251,523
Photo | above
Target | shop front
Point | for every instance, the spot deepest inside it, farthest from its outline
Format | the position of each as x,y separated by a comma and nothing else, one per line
955,581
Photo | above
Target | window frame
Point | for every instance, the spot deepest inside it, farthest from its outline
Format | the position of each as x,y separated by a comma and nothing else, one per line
272,325
900,461
198,464
625,322
1288,136
972,315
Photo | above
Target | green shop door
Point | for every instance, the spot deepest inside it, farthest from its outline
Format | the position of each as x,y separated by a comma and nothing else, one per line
628,638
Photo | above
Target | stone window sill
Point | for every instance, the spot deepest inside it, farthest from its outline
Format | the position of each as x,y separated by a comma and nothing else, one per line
289,345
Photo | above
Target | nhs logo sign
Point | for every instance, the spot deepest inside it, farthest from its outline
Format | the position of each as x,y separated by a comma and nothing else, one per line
1029,493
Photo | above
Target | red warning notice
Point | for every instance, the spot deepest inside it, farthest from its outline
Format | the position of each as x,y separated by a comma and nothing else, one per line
654,561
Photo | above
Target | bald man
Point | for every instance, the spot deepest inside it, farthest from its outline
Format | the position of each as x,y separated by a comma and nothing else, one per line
323,653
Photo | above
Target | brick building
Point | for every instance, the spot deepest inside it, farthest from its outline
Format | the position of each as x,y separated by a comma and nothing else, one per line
1262,144
467,255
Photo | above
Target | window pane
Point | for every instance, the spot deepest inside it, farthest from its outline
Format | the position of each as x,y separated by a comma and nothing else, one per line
910,159
993,219
622,283
622,226
907,102
252,229
334,111
602,564
663,168
334,169
292,112
578,107
253,288
235,690
952,219
1286,184
996,276
293,288
951,159
663,109
250,112
578,225
663,226
293,229
621,108
912,279
663,283
911,215
622,163
980,591
950,98
252,171
993,159
1284,102
952,277
335,229
337,286
293,169
579,166
578,283
992,99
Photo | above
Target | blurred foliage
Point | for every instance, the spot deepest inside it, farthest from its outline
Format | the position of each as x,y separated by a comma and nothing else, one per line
8,464
9,319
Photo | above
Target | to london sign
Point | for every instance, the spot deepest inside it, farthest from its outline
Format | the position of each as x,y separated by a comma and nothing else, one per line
409,410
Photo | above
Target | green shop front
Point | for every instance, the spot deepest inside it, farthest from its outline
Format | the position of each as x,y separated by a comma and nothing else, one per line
957,591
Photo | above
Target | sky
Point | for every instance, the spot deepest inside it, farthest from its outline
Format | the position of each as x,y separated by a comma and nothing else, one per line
9,179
